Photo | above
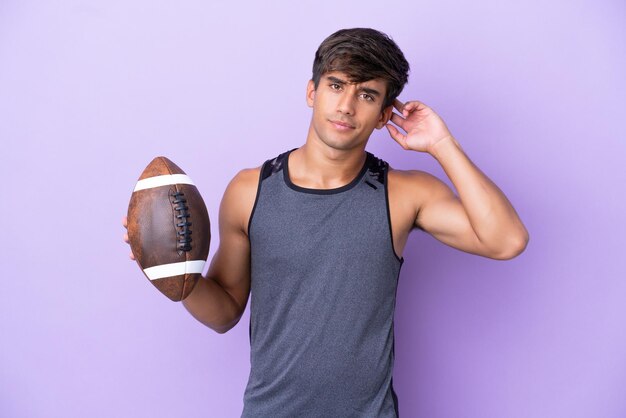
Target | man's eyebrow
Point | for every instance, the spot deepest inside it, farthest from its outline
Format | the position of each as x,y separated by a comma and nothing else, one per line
367,90
370,91
336,80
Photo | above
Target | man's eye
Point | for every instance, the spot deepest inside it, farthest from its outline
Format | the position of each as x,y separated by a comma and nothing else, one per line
367,97
335,86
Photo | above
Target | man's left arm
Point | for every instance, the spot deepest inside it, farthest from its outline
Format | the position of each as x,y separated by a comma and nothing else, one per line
482,218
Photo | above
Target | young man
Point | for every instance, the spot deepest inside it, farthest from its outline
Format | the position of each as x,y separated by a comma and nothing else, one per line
315,237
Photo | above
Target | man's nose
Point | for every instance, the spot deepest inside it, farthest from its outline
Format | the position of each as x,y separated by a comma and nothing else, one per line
346,104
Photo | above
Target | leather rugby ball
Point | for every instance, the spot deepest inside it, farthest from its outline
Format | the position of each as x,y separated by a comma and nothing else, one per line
168,228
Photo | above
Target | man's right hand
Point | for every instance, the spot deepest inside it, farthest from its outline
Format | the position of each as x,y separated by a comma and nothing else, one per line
125,225
219,299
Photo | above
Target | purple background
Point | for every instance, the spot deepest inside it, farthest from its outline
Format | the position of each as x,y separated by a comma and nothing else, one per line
90,92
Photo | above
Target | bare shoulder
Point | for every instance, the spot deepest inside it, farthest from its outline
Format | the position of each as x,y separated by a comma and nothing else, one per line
410,192
239,197
246,179
420,184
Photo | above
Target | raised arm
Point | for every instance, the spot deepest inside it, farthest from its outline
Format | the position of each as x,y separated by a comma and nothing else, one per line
481,220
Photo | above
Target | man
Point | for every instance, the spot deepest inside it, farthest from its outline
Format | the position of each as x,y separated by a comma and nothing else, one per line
315,237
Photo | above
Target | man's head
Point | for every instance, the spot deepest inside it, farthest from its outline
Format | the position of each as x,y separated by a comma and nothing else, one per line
363,54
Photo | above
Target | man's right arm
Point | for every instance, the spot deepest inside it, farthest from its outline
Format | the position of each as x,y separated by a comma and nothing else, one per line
219,299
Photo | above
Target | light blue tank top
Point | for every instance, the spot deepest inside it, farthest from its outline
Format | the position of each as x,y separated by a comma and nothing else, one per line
324,275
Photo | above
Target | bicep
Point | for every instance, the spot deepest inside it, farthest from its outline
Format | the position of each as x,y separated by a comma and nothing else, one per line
230,266
442,215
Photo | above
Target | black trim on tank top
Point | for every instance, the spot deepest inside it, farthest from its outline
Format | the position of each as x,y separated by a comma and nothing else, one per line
274,165
262,175
377,169
256,199
371,185
368,159
393,344
394,396
386,180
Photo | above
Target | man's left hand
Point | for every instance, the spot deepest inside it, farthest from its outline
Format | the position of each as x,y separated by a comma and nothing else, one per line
423,127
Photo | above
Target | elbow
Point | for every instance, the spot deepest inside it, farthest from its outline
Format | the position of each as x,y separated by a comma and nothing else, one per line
225,328
220,330
517,246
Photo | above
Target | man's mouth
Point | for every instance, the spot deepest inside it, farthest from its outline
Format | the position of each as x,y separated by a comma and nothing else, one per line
341,125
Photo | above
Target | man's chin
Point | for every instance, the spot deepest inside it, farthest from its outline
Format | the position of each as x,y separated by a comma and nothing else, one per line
342,145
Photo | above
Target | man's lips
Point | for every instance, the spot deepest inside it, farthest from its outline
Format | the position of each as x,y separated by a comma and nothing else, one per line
341,125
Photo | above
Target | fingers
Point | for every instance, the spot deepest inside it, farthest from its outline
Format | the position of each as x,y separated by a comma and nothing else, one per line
397,136
398,105
126,240
411,106
398,120
408,107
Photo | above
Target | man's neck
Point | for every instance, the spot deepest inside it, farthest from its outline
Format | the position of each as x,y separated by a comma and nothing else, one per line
316,165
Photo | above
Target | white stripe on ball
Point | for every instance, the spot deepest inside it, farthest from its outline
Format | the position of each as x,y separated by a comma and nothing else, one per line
164,180
174,269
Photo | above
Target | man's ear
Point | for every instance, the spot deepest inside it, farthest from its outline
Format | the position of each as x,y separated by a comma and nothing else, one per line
385,115
310,93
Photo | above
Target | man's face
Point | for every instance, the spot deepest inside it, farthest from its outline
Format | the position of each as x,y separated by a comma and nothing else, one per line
345,113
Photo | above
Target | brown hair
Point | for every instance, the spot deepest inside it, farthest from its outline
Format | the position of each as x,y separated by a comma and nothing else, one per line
363,54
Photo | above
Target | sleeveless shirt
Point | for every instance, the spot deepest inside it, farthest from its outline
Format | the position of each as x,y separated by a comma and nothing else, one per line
324,275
